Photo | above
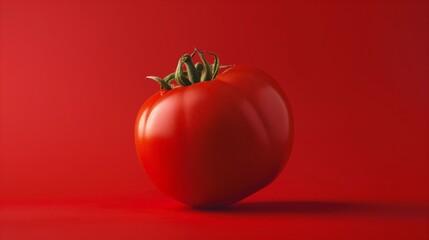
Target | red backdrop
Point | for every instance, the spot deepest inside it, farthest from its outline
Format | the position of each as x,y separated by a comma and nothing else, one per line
356,73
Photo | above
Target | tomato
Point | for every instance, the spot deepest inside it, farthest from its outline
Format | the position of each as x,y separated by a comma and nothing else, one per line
213,143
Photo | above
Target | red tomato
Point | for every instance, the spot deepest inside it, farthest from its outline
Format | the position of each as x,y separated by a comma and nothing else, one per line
215,142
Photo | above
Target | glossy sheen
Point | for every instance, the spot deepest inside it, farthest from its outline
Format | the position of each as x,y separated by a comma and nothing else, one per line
214,143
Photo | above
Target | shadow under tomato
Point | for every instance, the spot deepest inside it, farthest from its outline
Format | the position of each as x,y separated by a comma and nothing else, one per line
327,207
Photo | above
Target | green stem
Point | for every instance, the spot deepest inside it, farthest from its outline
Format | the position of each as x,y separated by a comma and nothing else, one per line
162,82
206,74
198,72
215,64
199,67
169,77
179,76
190,68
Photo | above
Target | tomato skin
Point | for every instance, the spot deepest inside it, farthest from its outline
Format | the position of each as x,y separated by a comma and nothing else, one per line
214,143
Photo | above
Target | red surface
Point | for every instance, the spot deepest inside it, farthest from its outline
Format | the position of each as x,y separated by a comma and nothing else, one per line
72,80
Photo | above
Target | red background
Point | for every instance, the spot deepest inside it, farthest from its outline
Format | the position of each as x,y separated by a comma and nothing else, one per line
73,78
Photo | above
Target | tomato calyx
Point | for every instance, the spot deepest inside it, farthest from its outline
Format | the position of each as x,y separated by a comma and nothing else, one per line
195,73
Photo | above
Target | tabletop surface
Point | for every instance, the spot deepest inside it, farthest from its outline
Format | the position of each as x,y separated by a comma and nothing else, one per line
250,219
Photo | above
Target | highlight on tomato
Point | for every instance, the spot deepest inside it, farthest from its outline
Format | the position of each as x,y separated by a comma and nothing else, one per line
210,139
